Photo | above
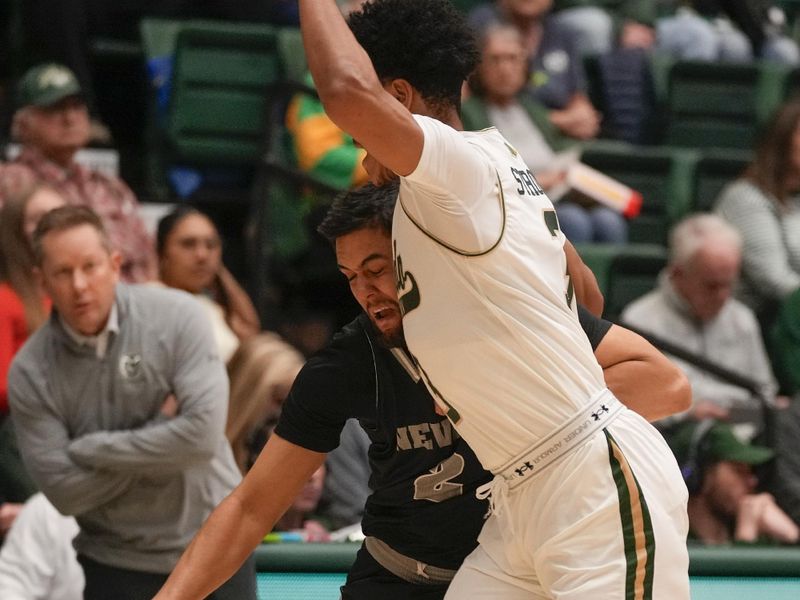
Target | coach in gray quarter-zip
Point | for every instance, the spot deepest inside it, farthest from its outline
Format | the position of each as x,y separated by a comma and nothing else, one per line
119,403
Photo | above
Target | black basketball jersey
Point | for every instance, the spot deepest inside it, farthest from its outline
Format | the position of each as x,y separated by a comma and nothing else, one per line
424,475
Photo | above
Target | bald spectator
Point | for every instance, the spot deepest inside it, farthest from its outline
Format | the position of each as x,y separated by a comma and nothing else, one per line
693,307
52,125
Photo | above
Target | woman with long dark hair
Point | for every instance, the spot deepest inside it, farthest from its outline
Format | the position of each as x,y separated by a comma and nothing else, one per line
764,205
23,307
190,258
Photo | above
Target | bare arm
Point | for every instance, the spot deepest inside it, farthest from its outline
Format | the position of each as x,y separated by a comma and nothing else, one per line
351,93
587,292
639,375
240,522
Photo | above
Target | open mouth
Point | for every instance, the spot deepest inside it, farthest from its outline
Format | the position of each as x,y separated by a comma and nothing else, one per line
382,313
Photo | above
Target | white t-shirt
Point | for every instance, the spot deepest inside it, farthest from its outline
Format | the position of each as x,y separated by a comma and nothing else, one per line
37,561
482,282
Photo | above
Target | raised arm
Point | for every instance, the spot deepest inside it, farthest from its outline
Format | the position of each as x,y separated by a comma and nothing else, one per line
200,385
641,376
353,96
240,522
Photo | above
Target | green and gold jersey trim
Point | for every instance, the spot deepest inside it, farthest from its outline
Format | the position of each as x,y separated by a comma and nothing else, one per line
502,201
637,527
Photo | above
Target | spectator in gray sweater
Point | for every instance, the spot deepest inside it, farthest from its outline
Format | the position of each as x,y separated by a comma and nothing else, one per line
119,404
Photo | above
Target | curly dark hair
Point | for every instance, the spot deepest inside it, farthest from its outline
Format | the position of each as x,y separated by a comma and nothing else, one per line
426,42
366,206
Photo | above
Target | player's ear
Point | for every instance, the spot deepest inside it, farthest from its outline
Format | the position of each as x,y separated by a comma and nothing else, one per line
402,91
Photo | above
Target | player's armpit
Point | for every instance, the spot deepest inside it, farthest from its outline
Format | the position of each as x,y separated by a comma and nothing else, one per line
641,376
587,292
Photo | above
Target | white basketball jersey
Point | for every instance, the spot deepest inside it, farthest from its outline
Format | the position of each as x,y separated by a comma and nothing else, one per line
481,275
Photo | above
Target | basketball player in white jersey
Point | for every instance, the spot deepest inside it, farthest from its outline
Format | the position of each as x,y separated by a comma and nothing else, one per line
588,500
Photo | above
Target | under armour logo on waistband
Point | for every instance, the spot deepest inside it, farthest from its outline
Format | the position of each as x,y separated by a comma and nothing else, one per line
526,466
596,415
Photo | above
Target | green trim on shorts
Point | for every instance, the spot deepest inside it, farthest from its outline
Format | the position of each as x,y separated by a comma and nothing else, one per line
637,526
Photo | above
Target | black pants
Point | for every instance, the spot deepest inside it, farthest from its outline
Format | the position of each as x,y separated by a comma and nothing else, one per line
104,582
368,580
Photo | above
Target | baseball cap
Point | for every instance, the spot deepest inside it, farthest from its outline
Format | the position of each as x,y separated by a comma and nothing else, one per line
718,444
46,84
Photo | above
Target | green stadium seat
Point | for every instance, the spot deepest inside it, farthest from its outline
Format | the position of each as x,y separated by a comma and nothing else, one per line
292,53
713,171
712,104
662,175
220,81
721,105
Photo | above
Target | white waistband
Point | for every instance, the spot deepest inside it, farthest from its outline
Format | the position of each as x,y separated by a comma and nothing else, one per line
599,413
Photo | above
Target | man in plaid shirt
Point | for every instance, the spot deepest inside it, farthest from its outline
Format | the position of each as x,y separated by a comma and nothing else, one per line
52,124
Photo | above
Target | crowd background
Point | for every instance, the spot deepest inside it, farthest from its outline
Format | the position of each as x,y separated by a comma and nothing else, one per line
690,103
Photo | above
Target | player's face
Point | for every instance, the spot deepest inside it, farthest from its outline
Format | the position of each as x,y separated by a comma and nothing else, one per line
80,275
706,283
192,254
364,256
60,129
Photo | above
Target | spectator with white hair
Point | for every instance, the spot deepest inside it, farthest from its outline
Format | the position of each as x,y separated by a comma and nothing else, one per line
693,308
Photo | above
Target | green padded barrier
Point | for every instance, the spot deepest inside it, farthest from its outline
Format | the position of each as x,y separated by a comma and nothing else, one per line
745,561
306,557
315,571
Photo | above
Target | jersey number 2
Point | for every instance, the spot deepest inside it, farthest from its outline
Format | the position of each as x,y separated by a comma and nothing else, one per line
436,485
